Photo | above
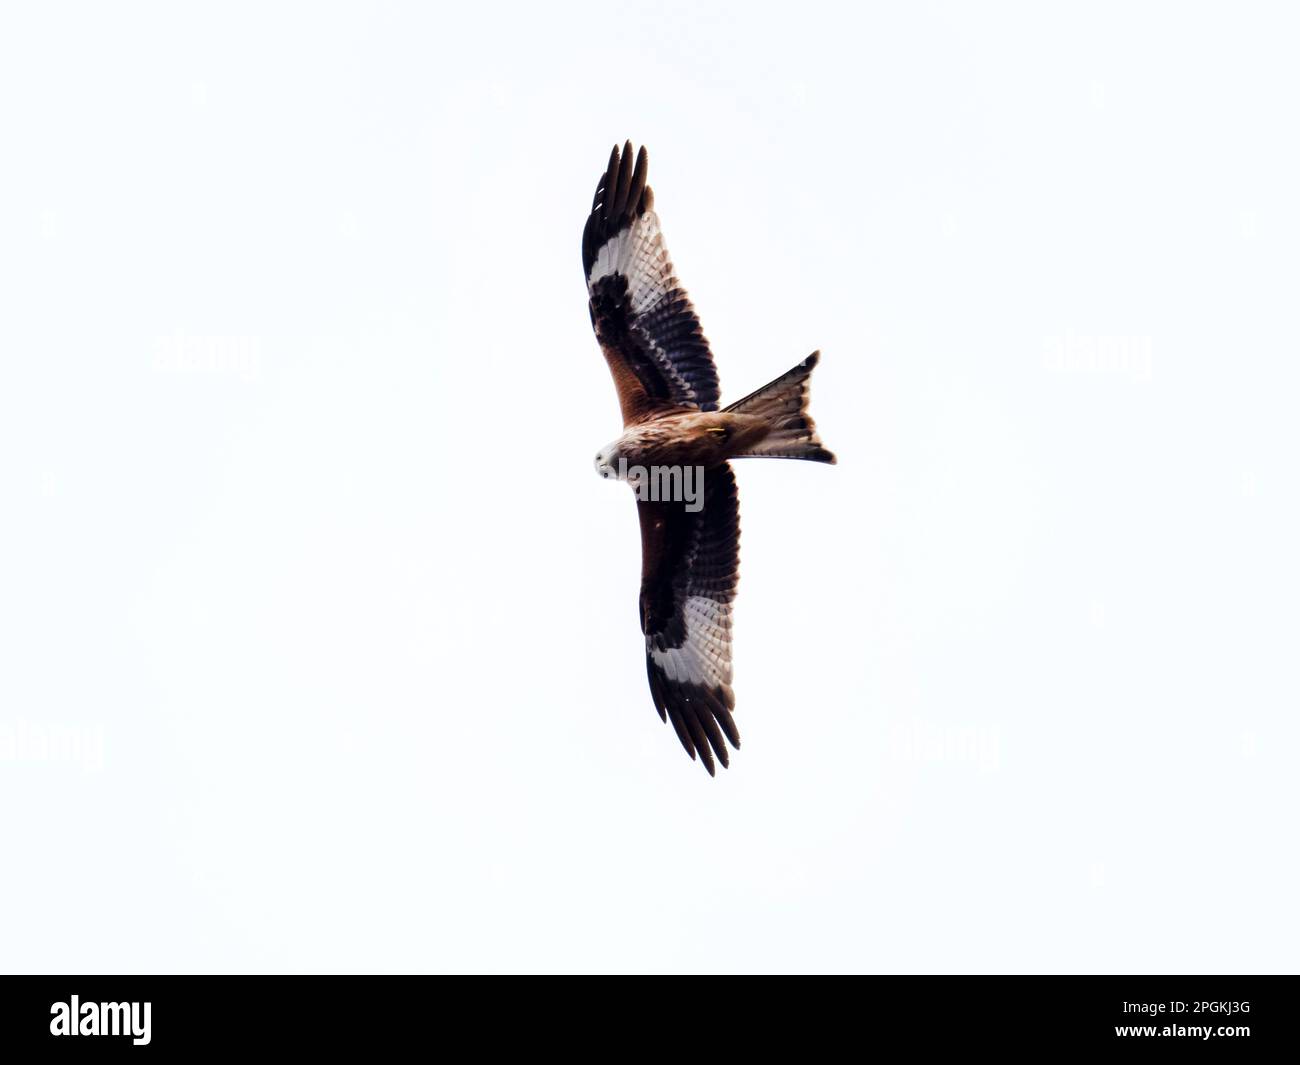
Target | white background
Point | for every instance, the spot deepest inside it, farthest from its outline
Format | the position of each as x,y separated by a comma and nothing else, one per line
318,632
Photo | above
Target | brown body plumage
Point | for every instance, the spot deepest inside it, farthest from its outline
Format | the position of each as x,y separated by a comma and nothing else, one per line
773,422
691,438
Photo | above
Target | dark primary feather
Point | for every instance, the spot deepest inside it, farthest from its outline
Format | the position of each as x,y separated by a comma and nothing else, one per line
642,316
687,555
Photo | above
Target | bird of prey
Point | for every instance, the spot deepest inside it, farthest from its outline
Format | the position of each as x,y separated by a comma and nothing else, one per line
673,428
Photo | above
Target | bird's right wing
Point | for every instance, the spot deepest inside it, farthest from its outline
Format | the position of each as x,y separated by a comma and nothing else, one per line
643,318
689,569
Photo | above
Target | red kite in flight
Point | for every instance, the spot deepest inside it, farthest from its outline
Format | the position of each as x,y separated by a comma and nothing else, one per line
676,438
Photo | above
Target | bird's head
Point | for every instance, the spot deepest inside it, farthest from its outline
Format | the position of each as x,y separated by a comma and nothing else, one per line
607,462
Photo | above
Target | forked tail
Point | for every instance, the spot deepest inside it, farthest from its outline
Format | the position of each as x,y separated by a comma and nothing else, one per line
783,404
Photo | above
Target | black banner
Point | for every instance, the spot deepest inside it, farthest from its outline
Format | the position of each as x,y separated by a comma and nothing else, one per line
160,1015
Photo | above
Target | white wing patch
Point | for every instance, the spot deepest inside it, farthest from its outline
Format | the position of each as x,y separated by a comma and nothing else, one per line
640,255
705,657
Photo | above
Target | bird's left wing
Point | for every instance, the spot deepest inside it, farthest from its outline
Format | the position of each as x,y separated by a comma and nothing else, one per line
689,569
643,318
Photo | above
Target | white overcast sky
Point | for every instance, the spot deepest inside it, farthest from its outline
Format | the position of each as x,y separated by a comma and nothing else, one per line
318,632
